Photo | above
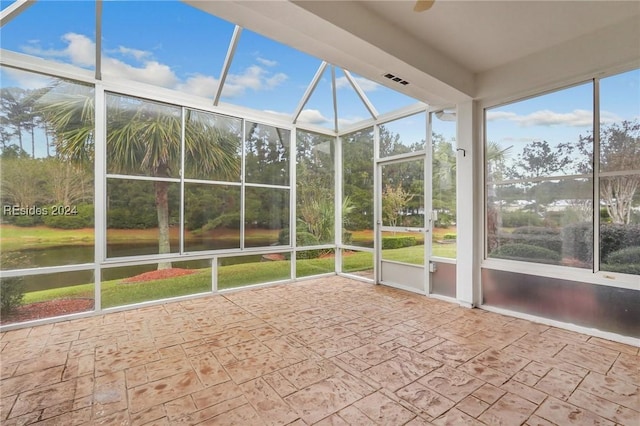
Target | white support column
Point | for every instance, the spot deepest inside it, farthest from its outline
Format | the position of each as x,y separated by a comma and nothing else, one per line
468,207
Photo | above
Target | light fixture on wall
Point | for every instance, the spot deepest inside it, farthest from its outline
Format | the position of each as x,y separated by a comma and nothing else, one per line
422,5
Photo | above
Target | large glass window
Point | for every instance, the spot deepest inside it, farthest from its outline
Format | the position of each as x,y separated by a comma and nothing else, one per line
405,135
443,184
619,177
539,206
315,177
46,171
357,188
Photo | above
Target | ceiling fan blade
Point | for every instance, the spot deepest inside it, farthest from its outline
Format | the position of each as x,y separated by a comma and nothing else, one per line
422,5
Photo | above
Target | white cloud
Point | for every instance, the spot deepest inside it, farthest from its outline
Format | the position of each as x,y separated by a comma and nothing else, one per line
151,72
365,84
346,121
312,116
548,118
276,80
255,78
138,54
200,85
80,50
266,62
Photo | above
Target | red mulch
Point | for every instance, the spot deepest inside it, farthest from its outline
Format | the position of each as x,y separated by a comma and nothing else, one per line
158,275
51,308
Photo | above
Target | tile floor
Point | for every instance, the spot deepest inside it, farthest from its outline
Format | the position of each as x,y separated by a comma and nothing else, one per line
330,351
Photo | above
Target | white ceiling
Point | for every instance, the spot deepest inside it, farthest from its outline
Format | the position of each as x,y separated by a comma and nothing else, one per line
482,35
456,50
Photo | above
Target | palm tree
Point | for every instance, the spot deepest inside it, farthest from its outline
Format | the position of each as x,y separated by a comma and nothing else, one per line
143,138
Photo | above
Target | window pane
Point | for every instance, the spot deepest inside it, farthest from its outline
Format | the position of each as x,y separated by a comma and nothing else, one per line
443,184
315,262
46,171
351,109
406,247
544,222
142,283
542,136
31,297
211,217
142,217
143,137
181,48
620,192
213,147
403,194
53,30
267,75
407,134
357,263
257,269
266,217
267,154
315,189
357,188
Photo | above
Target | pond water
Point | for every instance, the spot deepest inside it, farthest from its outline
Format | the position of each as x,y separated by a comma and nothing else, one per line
78,254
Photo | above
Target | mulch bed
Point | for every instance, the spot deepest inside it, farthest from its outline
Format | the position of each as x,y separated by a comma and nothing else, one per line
48,309
159,275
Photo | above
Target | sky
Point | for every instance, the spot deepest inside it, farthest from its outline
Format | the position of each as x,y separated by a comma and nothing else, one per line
264,74
270,76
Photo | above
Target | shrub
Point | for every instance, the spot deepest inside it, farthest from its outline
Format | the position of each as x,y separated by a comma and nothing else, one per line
520,218
450,236
548,238
397,242
577,241
26,221
536,230
617,236
625,256
83,219
527,253
11,294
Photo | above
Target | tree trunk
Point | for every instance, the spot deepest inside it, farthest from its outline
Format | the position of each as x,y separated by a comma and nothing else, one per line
162,206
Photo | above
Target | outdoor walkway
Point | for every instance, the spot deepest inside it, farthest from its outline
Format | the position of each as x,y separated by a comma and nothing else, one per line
329,351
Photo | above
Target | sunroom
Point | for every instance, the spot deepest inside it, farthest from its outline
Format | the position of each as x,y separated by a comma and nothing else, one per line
475,154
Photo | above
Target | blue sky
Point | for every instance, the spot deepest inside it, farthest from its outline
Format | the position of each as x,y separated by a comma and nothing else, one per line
267,75
264,74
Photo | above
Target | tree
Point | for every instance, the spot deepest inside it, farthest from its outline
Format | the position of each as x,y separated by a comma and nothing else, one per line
394,203
142,138
619,152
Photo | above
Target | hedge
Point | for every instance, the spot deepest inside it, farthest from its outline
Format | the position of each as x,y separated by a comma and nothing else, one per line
527,253
397,242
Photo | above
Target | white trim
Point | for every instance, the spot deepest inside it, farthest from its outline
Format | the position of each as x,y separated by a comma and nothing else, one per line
363,97
627,340
147,178
309,91
231,50
25,272
14,10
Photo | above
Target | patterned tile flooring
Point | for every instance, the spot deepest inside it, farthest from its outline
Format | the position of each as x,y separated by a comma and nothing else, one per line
329,351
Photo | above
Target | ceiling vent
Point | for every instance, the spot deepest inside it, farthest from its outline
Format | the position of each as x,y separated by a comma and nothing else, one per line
396,79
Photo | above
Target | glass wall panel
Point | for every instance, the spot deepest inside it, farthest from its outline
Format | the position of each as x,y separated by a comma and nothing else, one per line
620,173
443,184
247,270
318,110
357,263
211,217
43,30
181,48
266,75
143,283
406,247
403,194
553,225
351,109
144,138
141,217
31,297
266,154
539,179
46,171
213,146
266,217
357,188
315,177
315,262
405,135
